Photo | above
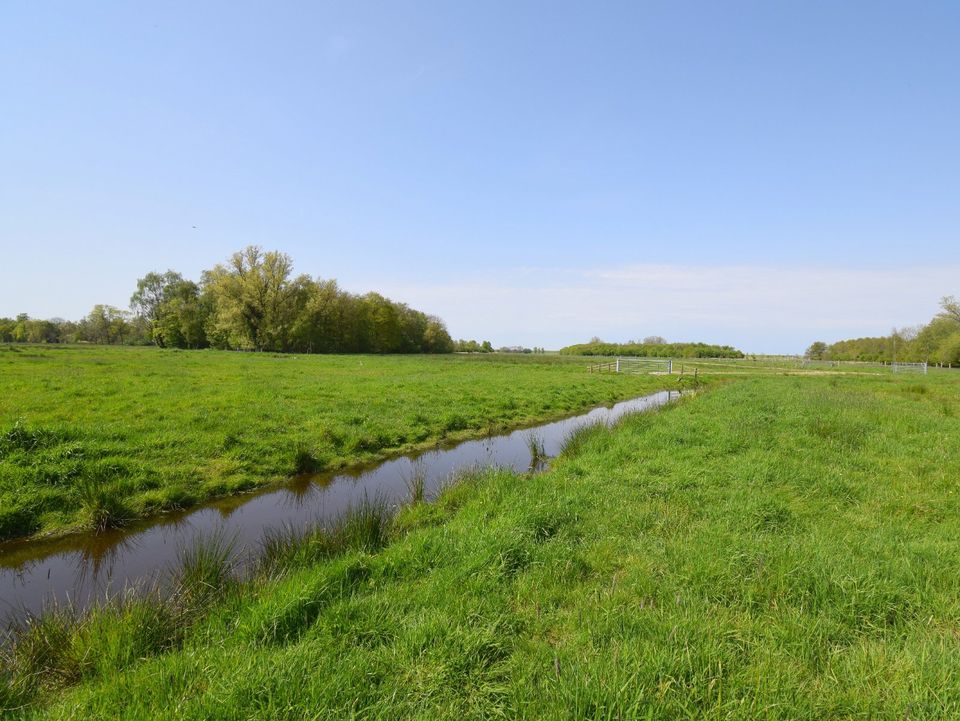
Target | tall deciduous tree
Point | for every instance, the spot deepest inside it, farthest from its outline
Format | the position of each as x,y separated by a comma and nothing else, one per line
255,302
950,308
251,302
149,295
106,324
816,350
182,317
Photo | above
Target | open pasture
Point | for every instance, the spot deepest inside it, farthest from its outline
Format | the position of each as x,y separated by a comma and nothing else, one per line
775,547
91,436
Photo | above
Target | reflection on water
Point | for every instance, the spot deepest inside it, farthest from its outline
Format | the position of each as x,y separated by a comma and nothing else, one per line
87,568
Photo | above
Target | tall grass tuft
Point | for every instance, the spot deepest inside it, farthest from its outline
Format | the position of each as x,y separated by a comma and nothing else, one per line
24,438
40,653
205,571
101,504
579,437
292,547
538,454
62,645
127,631
305,459
366,526
10,698
416,481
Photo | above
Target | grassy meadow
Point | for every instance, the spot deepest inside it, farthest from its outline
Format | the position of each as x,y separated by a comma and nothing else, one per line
777,547
91,436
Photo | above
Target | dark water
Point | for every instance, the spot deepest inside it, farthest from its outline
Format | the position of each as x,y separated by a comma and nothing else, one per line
86,568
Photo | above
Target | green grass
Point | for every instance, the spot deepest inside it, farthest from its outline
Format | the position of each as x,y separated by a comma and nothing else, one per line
779,547
91,437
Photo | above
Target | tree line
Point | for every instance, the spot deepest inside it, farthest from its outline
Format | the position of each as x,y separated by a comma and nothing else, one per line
472,346
251,302
936,342
104,324
654,347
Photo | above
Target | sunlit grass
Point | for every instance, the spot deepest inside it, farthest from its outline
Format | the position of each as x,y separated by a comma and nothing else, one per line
782,547
91,437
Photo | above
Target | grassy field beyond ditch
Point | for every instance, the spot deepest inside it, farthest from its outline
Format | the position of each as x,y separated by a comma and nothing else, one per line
776,548
91,436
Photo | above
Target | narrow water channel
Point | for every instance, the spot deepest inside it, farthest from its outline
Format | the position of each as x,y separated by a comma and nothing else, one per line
86,568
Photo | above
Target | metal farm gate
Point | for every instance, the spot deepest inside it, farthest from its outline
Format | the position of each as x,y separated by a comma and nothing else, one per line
635,366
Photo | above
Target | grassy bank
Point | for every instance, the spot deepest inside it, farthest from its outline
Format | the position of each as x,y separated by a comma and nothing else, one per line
91,436
779,547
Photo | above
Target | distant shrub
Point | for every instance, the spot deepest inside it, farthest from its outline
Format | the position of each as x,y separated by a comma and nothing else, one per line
653,350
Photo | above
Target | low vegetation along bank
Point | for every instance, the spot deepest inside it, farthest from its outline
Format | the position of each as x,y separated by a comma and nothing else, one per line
778,547
95,436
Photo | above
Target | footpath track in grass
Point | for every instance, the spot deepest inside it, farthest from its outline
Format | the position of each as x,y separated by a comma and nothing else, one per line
777,547
94,436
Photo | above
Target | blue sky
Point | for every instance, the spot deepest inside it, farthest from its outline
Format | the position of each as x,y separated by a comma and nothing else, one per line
758,173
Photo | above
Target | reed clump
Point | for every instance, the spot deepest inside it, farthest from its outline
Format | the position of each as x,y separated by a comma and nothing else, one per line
205,572
538,454
366,526
102,505
578,438
416,481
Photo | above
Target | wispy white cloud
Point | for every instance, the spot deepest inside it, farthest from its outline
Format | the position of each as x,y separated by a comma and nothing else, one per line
759,308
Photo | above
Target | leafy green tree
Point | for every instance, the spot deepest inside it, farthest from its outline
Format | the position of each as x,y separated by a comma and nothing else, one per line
817,350
472,346
255,303
436,339
6,330
251,302
949,351
383,331
19,331
150,292
181,317
41,331
667,350
950,308
319,327
933,335
105,324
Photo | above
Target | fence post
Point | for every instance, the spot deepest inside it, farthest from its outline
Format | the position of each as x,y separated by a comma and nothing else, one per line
618,365
669,366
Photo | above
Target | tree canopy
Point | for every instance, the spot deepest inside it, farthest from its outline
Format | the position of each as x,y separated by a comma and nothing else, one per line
251,302
936,342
